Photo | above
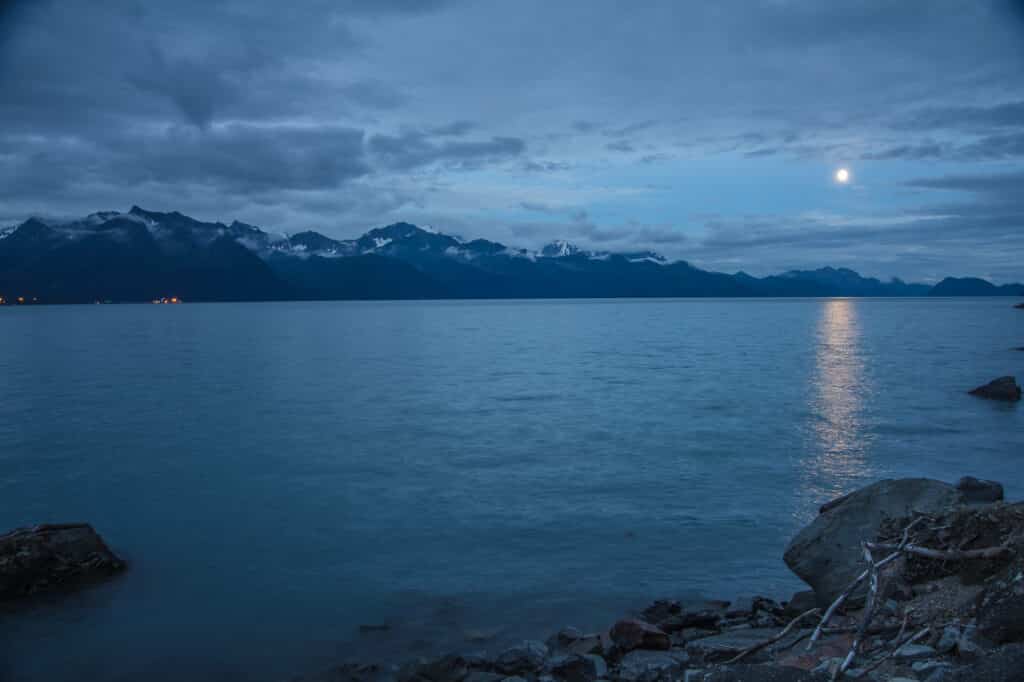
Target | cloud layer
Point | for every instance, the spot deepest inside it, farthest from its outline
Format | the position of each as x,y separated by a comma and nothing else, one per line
706,132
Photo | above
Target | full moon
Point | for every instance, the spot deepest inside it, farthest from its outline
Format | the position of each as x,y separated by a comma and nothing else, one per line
842,176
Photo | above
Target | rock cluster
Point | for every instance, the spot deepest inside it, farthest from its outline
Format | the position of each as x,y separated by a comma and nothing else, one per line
957,617
50,557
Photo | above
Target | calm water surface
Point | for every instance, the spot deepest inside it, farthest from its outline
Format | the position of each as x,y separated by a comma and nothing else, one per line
467,472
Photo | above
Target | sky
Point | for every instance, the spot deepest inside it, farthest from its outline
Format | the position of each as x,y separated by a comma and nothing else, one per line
709,132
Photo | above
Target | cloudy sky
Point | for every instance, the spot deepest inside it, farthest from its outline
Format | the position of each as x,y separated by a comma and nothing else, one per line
706,131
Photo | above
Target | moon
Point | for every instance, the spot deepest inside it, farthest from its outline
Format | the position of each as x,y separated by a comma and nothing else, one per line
842,176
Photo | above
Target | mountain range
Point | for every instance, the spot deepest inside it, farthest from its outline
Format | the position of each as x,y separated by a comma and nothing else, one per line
145,255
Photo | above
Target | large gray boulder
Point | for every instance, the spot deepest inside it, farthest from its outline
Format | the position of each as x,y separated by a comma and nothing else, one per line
827,554
50,557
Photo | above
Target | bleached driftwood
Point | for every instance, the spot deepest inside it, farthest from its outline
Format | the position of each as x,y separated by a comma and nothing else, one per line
771,640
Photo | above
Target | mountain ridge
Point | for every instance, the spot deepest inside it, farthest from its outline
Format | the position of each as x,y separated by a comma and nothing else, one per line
144,255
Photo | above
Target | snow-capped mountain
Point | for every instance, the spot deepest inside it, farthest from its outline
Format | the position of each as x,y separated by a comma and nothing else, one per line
142,255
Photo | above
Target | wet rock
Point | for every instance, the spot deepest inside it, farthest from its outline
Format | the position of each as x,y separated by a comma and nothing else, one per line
913,652
704,618
948,639
827,553
568,635
742,607
636,634
1003,388
50,557
575,668
976,490
926,668
647,666
587,644
660,610
800,602
972,645
526,657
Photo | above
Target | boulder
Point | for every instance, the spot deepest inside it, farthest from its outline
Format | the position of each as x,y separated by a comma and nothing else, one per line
978,491
54,556
1003,388
800,602
827,553
633,634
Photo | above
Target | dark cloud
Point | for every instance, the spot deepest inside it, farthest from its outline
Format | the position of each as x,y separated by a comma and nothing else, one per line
927,150
1007,114
412,149
455,128
1000,184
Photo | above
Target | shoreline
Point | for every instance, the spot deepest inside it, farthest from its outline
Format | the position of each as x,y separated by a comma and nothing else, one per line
947,606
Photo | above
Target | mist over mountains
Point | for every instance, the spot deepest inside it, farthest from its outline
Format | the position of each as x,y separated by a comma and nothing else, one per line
144,255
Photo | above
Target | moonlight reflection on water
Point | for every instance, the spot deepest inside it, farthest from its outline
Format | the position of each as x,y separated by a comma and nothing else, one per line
837,400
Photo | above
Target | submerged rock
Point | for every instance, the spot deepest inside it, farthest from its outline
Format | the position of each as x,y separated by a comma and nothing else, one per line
50,557
1003,388
827,554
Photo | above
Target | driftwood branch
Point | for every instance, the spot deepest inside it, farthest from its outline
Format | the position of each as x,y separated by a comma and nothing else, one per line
899,646
859,579
768,642
869,612
948,555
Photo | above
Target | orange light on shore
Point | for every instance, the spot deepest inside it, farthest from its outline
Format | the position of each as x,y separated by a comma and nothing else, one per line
21,299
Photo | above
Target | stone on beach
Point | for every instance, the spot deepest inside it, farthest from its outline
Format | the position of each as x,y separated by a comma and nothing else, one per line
50,557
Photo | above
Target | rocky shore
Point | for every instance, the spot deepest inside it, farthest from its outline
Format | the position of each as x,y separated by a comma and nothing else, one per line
911,579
